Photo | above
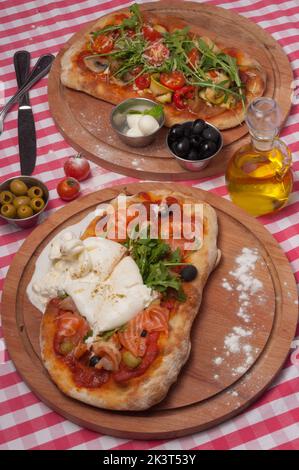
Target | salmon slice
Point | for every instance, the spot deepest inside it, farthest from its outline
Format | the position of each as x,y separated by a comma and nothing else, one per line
152,319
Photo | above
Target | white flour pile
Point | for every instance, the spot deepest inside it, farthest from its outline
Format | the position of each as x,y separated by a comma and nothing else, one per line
246,285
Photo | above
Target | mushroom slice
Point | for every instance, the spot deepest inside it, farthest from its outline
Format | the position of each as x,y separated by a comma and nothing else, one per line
95,63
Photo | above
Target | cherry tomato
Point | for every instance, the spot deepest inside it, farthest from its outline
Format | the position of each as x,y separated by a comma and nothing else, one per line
181,96
173,80
68,188
143,81
213,73
77,167
193,57
119,18
157,53
103,44
131,33
150,33
233,52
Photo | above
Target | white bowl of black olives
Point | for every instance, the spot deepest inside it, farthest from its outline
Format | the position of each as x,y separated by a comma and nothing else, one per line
194,143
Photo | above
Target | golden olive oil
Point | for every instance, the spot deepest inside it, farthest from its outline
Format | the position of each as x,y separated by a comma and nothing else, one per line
259,177
258,181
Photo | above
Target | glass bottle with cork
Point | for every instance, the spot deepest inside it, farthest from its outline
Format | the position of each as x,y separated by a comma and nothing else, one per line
259,176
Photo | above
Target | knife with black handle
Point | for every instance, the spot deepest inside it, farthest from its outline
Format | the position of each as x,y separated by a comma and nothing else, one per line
26,125
40,69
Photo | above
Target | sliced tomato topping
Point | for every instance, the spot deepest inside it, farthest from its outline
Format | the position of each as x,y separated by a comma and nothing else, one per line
150,33
213,73
152,351
193,57
234,52
173,80
144,195
119,18
103,44
244,76
143,81
86,376
181,96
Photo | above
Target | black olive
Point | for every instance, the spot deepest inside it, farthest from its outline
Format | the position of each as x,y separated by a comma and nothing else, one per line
207,149
187,129
209,133
195,141
94,360
189,273
182,147
198,126
176,132
188,125
193,154
143,333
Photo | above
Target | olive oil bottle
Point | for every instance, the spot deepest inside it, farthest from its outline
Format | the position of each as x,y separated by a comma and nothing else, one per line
259,176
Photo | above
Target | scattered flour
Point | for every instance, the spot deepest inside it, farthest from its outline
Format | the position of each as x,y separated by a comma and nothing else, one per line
216,376
218,360
248,285
232,340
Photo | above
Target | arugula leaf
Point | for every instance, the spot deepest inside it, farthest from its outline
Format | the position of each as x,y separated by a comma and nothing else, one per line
88,335
109,333
155,259
156,111
62,295
160,278
175,257
133,22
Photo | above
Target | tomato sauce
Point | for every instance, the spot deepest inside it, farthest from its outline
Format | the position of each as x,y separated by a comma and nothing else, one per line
85,376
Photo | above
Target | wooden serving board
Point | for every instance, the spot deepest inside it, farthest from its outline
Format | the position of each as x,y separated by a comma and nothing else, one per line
84,120
207,391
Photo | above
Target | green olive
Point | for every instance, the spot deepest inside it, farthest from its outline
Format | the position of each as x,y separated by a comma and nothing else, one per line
6,197
35,191
24,211
130,360
66,347
8,210
37,204
21,201
18,187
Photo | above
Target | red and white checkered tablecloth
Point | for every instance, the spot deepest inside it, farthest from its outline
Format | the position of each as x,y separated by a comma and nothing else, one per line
42,26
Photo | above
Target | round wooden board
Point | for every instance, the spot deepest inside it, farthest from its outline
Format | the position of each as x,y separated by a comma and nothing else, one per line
84,120
206,393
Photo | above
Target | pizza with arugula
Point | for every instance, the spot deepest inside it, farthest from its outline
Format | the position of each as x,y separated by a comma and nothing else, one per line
130,364
139,54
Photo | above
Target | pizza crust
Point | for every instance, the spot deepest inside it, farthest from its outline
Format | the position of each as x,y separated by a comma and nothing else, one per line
74,77
145,391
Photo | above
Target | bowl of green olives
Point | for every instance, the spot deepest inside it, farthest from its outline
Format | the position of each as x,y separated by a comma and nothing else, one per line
22,200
